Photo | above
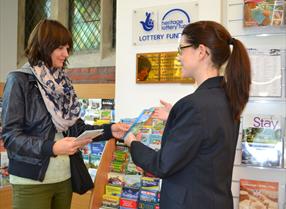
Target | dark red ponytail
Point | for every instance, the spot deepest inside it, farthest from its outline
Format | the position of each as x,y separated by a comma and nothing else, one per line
238,78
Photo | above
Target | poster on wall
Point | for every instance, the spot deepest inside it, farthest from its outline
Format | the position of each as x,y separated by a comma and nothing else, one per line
162,24
264,13
266,68
161,67
258,194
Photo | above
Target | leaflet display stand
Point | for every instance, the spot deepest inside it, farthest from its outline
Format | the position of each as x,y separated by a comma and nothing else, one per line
101,176
262,38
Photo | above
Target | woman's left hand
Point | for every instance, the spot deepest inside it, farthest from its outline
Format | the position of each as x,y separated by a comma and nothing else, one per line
119,130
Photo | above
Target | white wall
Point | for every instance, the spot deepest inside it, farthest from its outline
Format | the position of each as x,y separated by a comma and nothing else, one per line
8,36
131,98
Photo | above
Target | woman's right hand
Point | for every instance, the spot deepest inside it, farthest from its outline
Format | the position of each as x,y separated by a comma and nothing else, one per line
69,146
162,112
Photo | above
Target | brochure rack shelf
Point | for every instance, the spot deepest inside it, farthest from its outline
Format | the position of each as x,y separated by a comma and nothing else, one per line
263,39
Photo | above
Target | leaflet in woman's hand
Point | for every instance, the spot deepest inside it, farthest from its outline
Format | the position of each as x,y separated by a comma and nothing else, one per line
140,120
90,134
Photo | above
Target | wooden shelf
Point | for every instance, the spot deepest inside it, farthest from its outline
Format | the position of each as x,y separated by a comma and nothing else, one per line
6,197
1,89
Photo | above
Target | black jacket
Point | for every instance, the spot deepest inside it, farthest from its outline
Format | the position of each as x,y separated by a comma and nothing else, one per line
197,153
28,131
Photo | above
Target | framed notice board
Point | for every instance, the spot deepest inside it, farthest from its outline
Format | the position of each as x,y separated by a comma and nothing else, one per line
159,67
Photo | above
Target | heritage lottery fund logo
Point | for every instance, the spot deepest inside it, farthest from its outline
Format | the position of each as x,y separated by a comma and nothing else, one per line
162,24
167,27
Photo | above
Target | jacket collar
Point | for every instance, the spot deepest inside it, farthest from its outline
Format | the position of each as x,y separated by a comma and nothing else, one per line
27,69
215,82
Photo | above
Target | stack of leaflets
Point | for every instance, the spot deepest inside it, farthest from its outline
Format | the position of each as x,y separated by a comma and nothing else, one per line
128,185
97,111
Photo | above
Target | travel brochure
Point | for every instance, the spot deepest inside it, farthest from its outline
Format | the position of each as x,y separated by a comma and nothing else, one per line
258,194
139,122
151,129
262,141
264,13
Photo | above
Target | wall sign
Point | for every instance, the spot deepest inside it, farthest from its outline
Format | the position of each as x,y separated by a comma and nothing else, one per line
163,23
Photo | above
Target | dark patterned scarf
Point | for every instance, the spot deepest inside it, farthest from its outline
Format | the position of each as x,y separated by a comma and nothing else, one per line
59,96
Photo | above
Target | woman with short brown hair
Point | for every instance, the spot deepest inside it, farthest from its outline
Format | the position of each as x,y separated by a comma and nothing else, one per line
40,107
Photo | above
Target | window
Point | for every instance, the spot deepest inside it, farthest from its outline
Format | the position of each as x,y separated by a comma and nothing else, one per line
91,22
35,10
113,23
84,24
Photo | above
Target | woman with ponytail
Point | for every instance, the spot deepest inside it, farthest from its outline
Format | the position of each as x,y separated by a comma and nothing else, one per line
199,140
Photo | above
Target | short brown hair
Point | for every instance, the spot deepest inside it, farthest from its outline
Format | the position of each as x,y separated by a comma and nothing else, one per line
44,39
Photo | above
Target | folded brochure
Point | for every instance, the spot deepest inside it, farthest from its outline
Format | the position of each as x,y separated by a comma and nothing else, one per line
139,122
90,134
